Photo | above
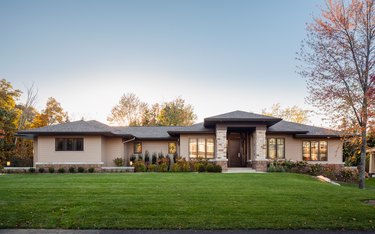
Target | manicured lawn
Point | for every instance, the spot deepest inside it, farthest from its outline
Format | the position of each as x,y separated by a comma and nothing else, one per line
181,200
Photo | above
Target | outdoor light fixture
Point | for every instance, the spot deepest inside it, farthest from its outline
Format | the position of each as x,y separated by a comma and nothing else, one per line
131,163
8,163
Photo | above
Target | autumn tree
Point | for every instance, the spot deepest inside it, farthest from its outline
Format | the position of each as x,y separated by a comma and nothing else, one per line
53,113
176,113
8,117
294,113
338,62
128,111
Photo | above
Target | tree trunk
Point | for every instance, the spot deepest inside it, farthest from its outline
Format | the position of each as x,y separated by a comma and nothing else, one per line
362,166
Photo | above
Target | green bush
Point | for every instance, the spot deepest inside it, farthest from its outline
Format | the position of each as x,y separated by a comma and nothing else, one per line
81,169
72,169
163,167
118,162
140,157
152,168
32,170
132,158
154,158
147,156
316,169
176,167
41,170
91,169
51,170
61,170
210,167
199,167
218,168
139,166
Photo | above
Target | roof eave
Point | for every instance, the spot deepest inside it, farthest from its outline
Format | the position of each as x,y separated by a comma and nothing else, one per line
317,136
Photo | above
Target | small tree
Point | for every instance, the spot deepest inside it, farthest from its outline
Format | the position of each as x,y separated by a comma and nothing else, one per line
339,67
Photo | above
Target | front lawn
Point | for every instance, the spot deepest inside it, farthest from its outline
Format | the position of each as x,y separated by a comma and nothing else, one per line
181,200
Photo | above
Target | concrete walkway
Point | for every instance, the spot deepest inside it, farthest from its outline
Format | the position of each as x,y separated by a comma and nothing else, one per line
241,170
60,231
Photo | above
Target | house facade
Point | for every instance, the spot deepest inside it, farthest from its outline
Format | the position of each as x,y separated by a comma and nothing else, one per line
234,139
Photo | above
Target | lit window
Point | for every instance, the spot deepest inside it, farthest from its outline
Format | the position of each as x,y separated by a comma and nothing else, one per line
172,147
201,148
137,147
276,148
314,150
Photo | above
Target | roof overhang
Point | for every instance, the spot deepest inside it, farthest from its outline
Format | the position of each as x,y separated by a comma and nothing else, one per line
211,122
306,136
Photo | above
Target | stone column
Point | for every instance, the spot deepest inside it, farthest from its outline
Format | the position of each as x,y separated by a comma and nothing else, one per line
221,147
260,149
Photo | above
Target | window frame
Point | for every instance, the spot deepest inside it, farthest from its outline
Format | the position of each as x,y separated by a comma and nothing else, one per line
196,139
276,147
135,146
74,141
319,153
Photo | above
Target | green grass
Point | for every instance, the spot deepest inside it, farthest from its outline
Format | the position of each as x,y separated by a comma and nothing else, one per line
181,200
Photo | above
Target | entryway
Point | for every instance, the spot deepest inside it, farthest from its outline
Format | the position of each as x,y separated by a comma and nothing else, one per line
238,148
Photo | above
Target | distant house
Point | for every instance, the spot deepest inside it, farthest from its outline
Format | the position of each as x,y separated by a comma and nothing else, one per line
235,139
371,168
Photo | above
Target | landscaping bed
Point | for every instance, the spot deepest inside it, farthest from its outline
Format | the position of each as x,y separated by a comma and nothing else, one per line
181,201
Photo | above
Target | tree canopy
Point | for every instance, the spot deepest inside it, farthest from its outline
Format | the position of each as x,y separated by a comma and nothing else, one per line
133,112
294,113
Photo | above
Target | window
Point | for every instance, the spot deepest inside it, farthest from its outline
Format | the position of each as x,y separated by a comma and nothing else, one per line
314,150
69,144
276,148
172,148
201,148
137,147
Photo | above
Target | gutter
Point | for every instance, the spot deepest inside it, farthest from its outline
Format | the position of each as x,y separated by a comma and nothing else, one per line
128,140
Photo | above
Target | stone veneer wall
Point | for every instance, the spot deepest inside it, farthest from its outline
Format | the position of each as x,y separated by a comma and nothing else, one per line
221,142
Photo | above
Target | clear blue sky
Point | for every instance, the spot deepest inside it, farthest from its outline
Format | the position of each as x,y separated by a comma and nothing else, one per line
217,55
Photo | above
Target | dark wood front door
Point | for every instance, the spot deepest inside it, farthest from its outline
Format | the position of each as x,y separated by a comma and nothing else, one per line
234,153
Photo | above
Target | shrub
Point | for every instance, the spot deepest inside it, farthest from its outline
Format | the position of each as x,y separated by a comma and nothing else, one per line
175,157
118,162
140,157
139,166
41,170
276,166
160,155
218,168
316,169
91,169
81,169
147,156
51,170
163,167
32,170
176,167
132,158
199,167
154,158
210,167
72,169
61,170
348,175
152,168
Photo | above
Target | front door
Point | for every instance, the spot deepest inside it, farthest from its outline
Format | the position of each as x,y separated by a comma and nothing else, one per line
234,153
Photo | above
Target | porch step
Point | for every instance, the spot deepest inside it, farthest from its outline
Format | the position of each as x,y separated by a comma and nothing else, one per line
240,170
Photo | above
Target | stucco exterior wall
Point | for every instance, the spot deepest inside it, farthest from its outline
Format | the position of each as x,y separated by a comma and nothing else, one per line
293,149
150,146
184,142
92,151
114,148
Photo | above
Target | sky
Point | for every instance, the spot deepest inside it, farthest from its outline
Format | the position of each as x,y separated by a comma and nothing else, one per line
218,55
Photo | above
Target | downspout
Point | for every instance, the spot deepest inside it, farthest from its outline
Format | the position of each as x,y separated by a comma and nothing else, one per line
127,141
